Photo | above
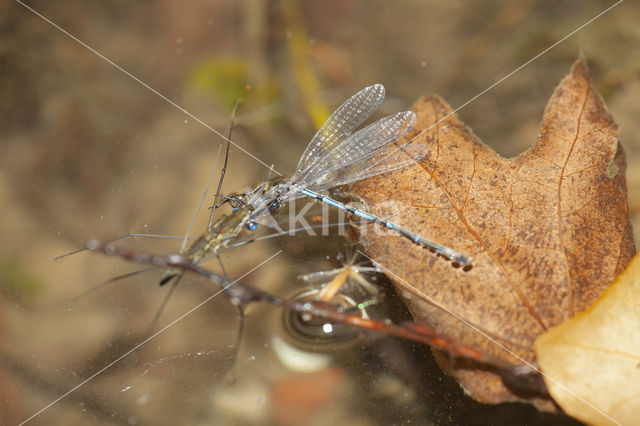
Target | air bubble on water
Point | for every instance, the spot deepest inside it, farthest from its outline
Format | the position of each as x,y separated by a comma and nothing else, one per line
127,388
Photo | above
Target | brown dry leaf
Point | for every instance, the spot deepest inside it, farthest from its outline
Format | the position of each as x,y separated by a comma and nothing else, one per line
592,361
548,230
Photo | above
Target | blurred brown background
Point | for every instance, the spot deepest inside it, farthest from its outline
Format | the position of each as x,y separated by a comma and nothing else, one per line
89,152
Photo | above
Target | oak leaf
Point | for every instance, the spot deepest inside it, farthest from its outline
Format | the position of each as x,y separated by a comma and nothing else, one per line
592,361
548,230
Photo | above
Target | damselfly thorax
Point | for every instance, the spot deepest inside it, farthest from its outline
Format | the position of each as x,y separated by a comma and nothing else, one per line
249,207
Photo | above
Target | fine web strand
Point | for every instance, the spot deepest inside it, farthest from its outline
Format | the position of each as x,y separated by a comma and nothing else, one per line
145,341
487,336
202,198
142,83
500,81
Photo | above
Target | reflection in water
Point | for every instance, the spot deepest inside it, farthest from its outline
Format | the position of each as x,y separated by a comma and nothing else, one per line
317,332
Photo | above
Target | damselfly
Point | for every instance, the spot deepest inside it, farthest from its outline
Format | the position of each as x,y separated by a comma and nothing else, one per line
335,156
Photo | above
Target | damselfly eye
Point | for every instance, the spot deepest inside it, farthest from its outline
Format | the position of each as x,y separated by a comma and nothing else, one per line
275,205
252,226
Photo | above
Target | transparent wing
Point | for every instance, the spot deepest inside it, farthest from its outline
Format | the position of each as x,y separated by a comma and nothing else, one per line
391,157
368,152
339,125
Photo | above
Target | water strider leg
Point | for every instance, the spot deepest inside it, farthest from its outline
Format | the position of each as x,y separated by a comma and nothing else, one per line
156,317
123,237
111,280
231,375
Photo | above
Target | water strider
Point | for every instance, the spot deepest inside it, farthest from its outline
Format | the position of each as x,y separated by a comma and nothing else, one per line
335,156
522,377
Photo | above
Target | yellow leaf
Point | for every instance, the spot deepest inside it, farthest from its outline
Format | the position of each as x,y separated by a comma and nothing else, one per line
592,361
303,71
223,78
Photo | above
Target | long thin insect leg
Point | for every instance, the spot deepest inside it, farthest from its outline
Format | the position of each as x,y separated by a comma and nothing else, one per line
202,197
171,274
231,375
294,231
156,318
110,280
224,168
274,235
122,237
333,287
224,271
234,200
